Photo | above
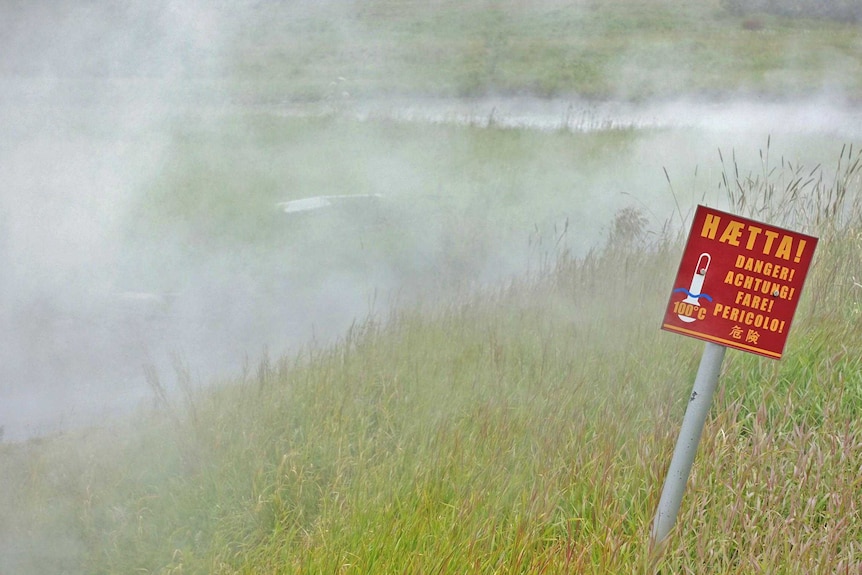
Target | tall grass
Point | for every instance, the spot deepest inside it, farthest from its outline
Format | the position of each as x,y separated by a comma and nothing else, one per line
524,429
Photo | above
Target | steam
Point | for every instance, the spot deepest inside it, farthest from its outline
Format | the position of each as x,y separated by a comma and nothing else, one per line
99,102
87,92
112,111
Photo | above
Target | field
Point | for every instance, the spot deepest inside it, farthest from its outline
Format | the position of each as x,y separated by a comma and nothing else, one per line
463,373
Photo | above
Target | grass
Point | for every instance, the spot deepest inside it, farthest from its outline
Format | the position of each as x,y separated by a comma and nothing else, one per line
519,428
525,429
630,50
220,179
453,198
278,53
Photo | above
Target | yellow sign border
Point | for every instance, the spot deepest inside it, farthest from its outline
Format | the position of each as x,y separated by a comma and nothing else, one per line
727,342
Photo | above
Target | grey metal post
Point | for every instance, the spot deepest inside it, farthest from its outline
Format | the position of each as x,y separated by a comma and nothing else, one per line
689,438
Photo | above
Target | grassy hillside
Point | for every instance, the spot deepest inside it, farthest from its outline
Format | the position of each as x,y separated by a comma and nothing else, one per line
524,430
524,427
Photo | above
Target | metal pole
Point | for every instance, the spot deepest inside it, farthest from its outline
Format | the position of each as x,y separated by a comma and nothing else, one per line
689,437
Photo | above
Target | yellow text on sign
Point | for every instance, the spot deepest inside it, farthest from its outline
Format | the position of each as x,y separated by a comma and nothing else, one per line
754,238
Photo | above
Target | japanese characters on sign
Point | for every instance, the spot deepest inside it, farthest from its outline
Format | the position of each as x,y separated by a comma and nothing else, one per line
739,282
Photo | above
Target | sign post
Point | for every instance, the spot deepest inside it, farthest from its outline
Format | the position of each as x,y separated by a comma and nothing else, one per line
737,286
689,438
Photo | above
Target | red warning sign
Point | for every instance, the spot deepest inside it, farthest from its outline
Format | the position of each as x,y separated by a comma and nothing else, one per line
739,282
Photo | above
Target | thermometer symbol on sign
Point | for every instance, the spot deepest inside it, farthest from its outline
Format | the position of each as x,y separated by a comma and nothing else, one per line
694,291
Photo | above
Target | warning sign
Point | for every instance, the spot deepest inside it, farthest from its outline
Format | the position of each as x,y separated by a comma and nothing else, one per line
739,282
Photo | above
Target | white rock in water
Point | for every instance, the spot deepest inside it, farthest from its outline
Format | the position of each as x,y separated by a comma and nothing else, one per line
318,202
